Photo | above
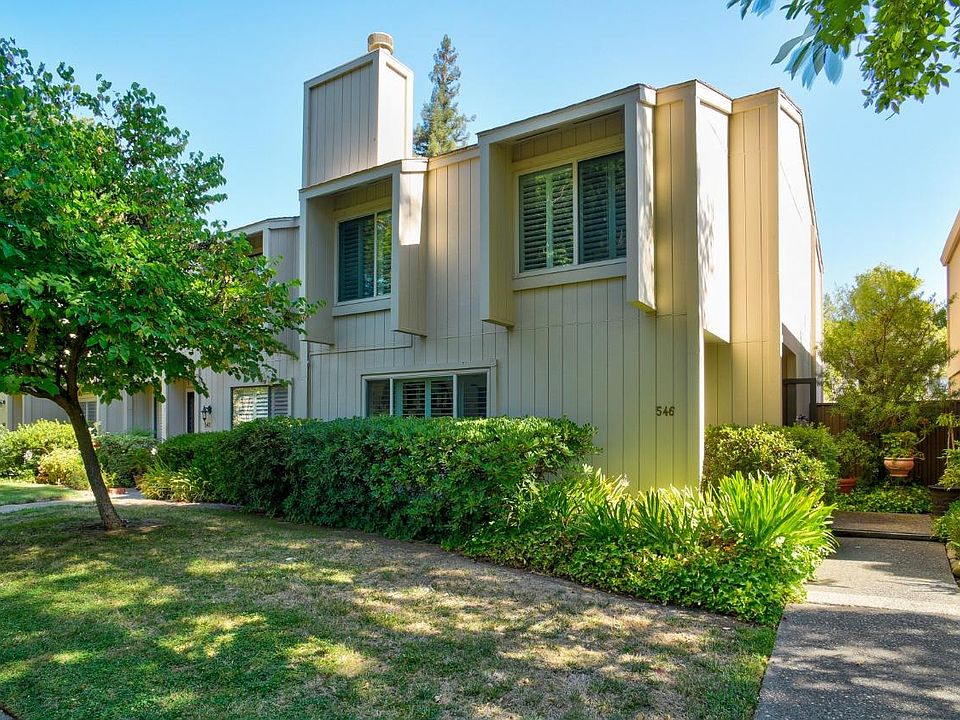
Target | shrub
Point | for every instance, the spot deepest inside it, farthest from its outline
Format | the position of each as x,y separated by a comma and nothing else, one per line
817,442
429,479
947,527
886,498
855,456
951,473
767,450
125,456
744,548
185,485
22,449
63,466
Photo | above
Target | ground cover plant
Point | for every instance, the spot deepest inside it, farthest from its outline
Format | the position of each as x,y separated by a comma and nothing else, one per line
888,498
194,613
15,491
947,527
744,547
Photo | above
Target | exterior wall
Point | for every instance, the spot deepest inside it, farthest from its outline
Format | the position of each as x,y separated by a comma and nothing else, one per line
951,260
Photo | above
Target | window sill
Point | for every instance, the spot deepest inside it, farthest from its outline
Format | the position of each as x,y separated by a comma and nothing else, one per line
355,307
571,274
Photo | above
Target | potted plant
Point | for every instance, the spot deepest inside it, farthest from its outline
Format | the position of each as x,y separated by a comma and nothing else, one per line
854,456
900,453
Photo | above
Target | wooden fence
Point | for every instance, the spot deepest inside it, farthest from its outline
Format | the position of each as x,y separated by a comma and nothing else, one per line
929,470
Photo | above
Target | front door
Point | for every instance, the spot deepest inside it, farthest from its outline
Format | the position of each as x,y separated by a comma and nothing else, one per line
191,411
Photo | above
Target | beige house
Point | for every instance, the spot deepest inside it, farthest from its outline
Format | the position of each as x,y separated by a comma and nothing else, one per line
646,261
951,261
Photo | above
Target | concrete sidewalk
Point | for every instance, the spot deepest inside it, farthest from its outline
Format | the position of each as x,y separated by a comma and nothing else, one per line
879,637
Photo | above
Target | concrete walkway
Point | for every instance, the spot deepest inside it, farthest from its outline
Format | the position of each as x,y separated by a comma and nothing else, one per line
132,497
878,637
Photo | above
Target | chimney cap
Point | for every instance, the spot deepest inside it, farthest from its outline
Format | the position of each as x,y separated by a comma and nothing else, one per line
380,41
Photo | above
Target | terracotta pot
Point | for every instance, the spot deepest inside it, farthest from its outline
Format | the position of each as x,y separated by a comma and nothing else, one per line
117,490
941,498
899,467
845,485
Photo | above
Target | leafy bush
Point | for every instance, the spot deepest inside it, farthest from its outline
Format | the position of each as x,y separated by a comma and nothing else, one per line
771,451
431,479
947,527
63,466
744,548
125,456
817,442
22,449
951,473
886,498
185,485
855,456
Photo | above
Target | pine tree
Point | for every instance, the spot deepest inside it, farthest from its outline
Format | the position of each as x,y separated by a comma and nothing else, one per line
443,127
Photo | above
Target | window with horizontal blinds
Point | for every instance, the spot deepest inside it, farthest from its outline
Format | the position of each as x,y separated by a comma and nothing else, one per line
378,397
603,208
546,218
259,402
88,404
364,257
459,395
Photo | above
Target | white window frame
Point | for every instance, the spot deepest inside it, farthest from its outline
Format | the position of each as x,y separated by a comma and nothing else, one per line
356,213
551,161
430,374
88,398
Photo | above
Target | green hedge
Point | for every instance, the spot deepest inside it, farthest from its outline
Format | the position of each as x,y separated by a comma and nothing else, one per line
805,454
947,527
125,456
429,479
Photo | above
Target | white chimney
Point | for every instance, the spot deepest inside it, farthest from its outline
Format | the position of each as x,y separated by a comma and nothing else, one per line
380,41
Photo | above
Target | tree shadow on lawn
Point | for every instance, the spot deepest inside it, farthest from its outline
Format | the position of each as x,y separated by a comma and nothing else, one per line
212,614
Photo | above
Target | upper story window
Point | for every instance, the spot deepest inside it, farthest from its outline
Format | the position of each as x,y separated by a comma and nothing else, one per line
594,190
363,256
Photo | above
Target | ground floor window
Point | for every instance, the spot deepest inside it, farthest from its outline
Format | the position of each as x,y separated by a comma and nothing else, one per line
454,395
88,403
256,402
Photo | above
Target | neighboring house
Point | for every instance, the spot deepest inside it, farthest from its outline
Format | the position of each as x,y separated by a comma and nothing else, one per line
951,261
646,261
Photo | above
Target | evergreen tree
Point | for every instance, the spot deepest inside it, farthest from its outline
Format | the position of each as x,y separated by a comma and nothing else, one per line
443,127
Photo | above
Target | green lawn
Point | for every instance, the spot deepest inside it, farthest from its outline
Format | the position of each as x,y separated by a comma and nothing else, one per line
198,613
14,491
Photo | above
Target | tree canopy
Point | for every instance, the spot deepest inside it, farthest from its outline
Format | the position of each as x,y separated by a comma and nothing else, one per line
443,127
113,278
885,348
905,47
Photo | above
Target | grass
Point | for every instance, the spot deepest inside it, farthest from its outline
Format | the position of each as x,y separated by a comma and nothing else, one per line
199,613
15,491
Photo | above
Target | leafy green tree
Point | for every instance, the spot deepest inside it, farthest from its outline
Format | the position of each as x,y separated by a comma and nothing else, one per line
443,127
112,278
884,350
904,46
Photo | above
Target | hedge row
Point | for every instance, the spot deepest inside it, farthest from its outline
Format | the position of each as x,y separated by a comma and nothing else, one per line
426,479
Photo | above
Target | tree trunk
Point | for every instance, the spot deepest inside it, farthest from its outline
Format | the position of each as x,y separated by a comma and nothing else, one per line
108,514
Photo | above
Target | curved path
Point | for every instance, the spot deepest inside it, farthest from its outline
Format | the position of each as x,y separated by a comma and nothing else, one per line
878,637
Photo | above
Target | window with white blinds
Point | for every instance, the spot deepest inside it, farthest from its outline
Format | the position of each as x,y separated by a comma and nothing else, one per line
458,395
259,402
546,219
364,256
550,236
88,403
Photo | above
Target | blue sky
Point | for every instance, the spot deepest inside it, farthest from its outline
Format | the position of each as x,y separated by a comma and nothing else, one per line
887,188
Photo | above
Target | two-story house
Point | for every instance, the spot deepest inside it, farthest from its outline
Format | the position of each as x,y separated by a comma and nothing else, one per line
646,261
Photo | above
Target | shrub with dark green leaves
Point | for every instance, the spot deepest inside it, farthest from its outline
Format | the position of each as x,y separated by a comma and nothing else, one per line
816,441
768,450
63,466
21,449
126,456
430,479
744,548
886,498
